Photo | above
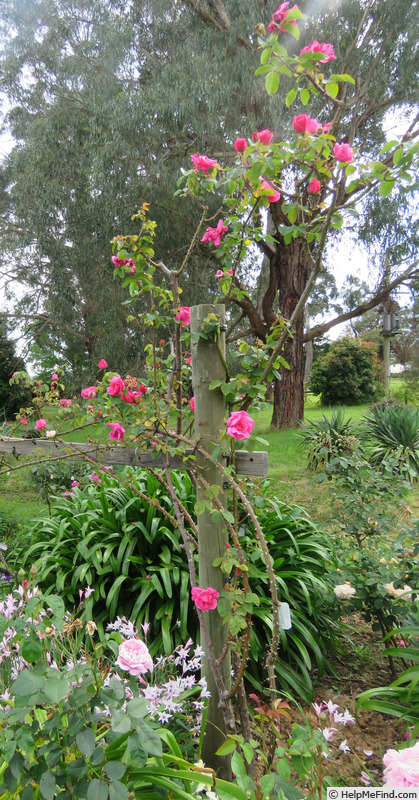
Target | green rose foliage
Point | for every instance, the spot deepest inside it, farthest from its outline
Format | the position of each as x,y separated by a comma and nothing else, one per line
349,373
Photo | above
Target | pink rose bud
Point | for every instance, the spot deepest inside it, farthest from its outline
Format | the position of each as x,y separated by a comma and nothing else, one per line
205,599
102,364
240,145
183,316
192,403
40,423
214,234
343,152
240,425
134,657
317,48
90,392
314,186
189,360
220,273
305,124
14,374
204,163
279,18
116,386
264,137
25,584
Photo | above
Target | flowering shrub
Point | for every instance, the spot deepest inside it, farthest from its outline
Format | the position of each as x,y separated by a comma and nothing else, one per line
112,742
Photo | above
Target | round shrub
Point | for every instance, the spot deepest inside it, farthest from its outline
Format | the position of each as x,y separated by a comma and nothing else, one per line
349,373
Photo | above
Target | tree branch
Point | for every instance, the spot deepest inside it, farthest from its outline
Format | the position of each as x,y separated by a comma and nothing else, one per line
381,295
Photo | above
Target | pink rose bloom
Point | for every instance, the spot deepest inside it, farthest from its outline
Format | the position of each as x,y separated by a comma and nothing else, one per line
240,425
279,16
117,432
142,389
189,360
116,386
316,47
40,423
240,145
326,128
214,234
119,262
264,137
90,391
131,397
74,484
274,195
205,599
54,377
314,186
304,124
220,273
23,421
133,657
184,316
343,152
402,767
102,364
192,404
65,403
204,163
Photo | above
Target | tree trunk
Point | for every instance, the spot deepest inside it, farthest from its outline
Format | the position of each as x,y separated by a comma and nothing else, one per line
292,271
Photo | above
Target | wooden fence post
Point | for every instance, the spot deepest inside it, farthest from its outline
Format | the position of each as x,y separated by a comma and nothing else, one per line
210,406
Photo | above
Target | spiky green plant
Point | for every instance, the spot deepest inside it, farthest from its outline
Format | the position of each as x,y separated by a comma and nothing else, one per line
327,437
393,430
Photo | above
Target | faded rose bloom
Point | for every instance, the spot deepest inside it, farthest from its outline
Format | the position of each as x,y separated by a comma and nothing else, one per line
264,137
119,262
305,124
402,767
50,434
314,186
316,47
91,627
205,599
279,17
116,386
184,316
240,145
214,234
204,163
240,425
102,364
134,657
343,152
117,432
40,424
65,402
90,391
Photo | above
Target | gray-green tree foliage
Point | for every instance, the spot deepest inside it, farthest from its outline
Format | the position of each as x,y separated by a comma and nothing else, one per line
111,97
